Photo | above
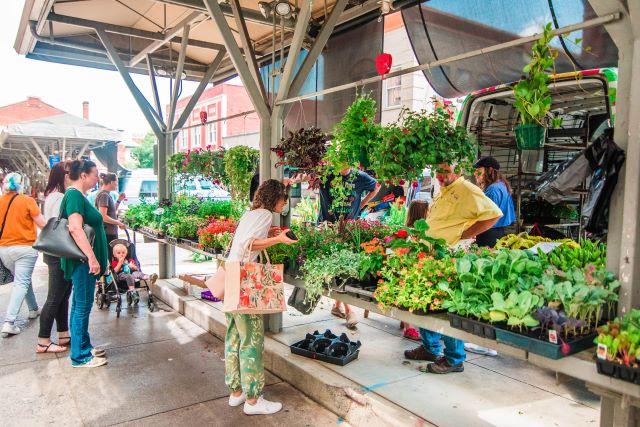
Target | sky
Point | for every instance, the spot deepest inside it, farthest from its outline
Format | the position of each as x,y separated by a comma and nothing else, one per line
66,87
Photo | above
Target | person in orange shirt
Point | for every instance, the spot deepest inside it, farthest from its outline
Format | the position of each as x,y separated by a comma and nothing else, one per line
20,215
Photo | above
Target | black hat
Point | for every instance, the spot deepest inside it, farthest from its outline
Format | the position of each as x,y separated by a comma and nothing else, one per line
487,162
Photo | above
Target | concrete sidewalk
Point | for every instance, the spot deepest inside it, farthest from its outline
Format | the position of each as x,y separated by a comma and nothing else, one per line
163,371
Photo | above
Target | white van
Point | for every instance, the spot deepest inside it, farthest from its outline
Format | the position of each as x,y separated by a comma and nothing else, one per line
143,184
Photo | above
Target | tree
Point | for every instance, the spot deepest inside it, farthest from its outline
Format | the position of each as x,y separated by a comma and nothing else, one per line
143,153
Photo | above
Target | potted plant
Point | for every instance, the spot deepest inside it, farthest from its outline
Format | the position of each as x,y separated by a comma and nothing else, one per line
330,271
417,140
619,348
302,150
532,98
241,163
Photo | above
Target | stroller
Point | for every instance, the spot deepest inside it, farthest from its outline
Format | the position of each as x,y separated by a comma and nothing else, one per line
109,289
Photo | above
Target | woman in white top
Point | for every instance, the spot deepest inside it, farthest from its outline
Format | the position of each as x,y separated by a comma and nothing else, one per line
57,305
244,341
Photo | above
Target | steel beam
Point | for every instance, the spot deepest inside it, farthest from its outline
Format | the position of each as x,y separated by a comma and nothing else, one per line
173,32
83,150
198,92
127,31
154,85
142,102
178,77
218,17
294,50
247,45
251,15
319,44
45,159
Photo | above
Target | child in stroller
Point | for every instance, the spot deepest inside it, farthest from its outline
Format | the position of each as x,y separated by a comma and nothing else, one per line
128,271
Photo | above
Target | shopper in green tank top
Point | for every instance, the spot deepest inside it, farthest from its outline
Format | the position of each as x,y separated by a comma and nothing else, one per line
78,210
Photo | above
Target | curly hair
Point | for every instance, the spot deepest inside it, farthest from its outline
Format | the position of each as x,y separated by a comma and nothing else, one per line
269,194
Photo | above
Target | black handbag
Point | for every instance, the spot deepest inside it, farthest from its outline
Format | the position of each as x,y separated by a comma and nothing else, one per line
6,276
55,239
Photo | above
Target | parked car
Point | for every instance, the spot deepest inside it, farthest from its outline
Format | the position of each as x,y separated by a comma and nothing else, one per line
143,184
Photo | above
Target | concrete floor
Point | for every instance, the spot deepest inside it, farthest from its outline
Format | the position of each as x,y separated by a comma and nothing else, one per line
163,370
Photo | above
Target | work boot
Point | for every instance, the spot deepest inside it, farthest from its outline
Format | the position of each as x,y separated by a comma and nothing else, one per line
420,353
441,366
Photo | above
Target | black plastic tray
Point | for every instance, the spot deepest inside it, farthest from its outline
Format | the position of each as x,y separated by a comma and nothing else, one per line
544,348
619,371
295,349
472,326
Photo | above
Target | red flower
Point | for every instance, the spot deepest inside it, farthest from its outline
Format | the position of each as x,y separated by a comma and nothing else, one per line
402,234
364,119
276,276
401,182
244,301
421,255
405,130
414,184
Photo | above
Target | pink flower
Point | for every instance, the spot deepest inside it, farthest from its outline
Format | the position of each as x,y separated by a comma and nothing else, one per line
414,184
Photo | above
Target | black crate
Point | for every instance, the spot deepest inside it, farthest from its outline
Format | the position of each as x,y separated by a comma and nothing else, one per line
619,371
472,326
544,348
295,349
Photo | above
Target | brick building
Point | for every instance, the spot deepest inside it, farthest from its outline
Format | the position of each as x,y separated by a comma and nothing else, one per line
219,101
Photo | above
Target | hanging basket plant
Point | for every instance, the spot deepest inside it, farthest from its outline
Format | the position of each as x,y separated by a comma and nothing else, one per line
207,163
418,140
355,135
532,94
241,162
303,150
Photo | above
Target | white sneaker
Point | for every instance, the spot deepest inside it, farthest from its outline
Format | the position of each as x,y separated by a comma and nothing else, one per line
33,314
9,329
237,401
93,363
474,348
99,352
262,407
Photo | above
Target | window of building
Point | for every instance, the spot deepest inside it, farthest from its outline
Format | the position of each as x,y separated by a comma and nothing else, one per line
184,143
195,137
393,91
212,134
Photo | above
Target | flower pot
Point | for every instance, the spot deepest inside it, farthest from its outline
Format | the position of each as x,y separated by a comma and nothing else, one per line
530,137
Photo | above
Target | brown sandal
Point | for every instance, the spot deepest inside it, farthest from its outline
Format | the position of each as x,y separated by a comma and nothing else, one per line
48,349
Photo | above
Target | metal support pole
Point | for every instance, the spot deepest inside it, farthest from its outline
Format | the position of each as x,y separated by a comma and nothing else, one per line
294,51
39,150
155,45
315,51
142,102
247,46
154,85
83,150
259,103
178,78
166,253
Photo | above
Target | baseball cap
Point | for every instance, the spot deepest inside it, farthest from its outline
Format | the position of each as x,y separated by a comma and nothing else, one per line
487,162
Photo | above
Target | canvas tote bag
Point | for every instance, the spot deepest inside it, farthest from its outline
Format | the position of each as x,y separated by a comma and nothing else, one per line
254,287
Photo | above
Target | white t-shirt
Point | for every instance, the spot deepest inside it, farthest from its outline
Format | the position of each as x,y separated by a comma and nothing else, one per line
52,205
253,225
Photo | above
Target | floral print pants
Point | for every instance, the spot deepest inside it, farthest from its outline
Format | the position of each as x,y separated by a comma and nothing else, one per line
243,348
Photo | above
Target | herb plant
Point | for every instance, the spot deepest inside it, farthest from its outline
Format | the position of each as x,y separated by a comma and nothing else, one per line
622,339
319,273
532,92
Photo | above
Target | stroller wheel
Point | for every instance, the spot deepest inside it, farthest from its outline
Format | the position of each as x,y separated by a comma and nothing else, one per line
100,300
129,299
152,307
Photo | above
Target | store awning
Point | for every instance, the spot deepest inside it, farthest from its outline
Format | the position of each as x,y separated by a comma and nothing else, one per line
441,29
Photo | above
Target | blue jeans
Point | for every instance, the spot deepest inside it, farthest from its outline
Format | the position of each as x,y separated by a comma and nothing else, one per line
84,285
20,260
453,348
